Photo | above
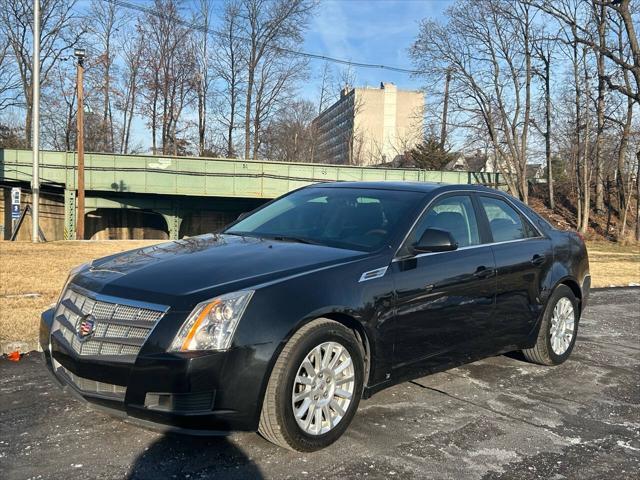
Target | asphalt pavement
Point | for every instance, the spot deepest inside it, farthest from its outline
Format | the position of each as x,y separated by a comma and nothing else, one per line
496,418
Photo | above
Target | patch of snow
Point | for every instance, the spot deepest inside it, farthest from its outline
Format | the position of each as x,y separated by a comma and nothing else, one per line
626,445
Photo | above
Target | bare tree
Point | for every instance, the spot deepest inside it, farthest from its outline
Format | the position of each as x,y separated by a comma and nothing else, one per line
347,79
168,73
59,108
103,22
276,74
288,136
586,167
203,69
58,35
9,82
133,47
325,95
624,167
584,35
600,16
229,62
638,195
325,98
271,28
487,44
578,118
542,47
445,109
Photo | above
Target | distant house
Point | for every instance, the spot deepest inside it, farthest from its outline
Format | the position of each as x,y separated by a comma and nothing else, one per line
536,172
480,162
472,162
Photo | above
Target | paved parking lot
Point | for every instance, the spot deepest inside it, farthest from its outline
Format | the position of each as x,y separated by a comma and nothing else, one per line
496,418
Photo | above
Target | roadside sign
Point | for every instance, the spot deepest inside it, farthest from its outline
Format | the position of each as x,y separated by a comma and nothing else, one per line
15,196
15,212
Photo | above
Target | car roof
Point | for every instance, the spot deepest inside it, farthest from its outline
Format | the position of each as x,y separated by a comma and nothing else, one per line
424,187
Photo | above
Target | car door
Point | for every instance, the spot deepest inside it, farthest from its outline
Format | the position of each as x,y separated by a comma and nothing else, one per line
443,301
523,258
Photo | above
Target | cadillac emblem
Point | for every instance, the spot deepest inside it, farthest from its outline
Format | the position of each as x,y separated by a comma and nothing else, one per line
86,327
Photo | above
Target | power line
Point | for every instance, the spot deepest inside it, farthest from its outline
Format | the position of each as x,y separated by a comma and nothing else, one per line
312,56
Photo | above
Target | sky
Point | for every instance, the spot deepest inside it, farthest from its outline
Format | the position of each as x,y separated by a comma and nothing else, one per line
369,31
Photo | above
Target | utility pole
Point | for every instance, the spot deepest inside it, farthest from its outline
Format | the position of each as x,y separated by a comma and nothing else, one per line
35,127
80,54
445,110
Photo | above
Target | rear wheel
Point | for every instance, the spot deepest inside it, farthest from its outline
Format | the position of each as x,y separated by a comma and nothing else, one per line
558,329
314,389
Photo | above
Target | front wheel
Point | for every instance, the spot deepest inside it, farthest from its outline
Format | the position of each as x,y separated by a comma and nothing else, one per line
558,329
314,389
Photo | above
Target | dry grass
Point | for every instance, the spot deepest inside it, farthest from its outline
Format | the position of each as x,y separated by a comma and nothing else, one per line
613,265
42,269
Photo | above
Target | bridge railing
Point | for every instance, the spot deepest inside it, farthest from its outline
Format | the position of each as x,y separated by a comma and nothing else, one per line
219,177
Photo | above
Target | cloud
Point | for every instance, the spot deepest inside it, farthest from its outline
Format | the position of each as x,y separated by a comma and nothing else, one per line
330,29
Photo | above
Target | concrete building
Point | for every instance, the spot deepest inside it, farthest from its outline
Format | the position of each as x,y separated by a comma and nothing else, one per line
369,126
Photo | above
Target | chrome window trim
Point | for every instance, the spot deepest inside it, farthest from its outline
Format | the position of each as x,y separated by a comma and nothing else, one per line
467,191
470,247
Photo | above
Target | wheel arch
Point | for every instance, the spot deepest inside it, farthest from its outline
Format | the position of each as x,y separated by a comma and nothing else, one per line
575,288
567,281
342,318
360,334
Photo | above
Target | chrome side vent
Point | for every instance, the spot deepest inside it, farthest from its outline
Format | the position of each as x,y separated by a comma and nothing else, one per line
373,274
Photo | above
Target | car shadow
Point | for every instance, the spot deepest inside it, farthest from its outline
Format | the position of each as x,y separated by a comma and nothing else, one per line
516,355
181,456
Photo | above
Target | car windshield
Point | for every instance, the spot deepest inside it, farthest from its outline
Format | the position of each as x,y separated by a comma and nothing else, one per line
352,218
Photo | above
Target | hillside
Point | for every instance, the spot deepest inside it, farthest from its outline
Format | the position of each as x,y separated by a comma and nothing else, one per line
602,227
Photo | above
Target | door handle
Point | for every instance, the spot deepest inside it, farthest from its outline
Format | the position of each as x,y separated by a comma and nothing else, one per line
538,259
483,272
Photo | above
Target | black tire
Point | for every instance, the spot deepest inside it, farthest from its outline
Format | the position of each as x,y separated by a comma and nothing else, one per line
277,421
542,352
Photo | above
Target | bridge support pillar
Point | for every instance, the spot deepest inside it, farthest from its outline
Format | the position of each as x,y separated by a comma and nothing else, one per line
173,222
69,214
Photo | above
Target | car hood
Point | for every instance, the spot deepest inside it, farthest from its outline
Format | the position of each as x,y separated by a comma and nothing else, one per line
184,271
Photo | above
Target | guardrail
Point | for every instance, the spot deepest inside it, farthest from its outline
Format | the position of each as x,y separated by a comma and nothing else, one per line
219,177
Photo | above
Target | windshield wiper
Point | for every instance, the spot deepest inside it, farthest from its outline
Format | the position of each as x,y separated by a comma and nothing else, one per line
279,238
286,238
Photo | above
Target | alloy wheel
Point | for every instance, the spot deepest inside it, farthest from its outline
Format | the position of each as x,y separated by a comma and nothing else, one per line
323,388
562,326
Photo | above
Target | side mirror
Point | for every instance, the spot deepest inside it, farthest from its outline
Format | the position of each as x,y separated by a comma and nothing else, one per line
435,240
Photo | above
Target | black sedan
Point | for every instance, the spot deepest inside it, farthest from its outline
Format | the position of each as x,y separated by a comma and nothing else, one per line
291,315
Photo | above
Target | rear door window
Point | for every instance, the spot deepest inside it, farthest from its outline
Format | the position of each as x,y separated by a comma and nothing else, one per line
505,223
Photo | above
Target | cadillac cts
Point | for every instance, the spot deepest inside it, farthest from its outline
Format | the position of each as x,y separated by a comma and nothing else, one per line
291,315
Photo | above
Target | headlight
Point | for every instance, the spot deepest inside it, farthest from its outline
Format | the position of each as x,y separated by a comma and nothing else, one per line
212,324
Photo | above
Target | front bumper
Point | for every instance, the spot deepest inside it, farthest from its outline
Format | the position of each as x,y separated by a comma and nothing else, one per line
191,392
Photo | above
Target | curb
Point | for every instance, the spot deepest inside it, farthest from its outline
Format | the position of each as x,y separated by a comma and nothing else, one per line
615,287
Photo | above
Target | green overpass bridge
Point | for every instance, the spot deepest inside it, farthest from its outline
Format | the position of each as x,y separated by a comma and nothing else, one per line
178,187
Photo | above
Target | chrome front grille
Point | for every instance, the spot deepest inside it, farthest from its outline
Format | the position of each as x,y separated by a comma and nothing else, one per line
120,329
87,385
